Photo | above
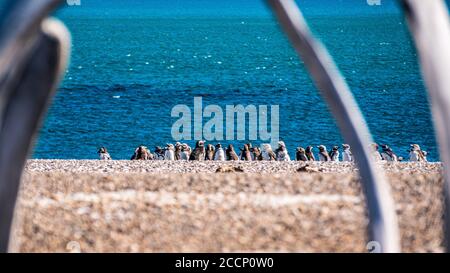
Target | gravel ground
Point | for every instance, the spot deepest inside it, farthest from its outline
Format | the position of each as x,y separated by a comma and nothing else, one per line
172,167
157,206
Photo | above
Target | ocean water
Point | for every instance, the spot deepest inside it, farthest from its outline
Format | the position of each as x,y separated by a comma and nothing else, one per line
133,61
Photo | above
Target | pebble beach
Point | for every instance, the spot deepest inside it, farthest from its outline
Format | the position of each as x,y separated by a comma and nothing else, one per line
161,206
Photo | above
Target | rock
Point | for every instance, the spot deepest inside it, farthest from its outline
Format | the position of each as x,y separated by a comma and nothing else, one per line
308,169
230,169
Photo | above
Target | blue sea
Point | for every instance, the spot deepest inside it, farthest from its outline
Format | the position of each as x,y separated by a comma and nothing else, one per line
133,61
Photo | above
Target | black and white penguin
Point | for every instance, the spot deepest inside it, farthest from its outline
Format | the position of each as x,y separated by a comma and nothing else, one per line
103,154
310,154
198,154
142,153
185,151
246,154
158,154
267,153
300,155
388,154
347,155
282,153
334,154
231,153
178,151
250,148
169,153
416,154
257,154
219,154
323,154
210,151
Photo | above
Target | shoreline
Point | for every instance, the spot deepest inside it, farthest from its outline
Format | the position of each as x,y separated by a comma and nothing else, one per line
128,166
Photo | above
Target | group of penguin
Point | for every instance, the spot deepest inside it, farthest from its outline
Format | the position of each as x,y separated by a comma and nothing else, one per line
201,152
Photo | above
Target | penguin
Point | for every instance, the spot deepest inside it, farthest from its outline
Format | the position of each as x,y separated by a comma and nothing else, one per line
323,154
169,154
210,151
103,154
178,151
387,154
142,153
282,153
310,154
257,154
301,154
246,155
158,154
146,155
185,152
189,149
231,154
416,154
198,154
375,153
267,153
422,155
219,155
334,154
347,155
250,148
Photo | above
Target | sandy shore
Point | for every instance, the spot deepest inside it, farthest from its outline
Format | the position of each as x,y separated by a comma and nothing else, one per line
158,206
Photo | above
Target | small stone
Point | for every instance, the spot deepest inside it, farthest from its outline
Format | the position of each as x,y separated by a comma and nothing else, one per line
308,169
230,169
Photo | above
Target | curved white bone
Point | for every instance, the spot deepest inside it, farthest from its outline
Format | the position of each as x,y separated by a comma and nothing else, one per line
383,224
430,25
30,89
